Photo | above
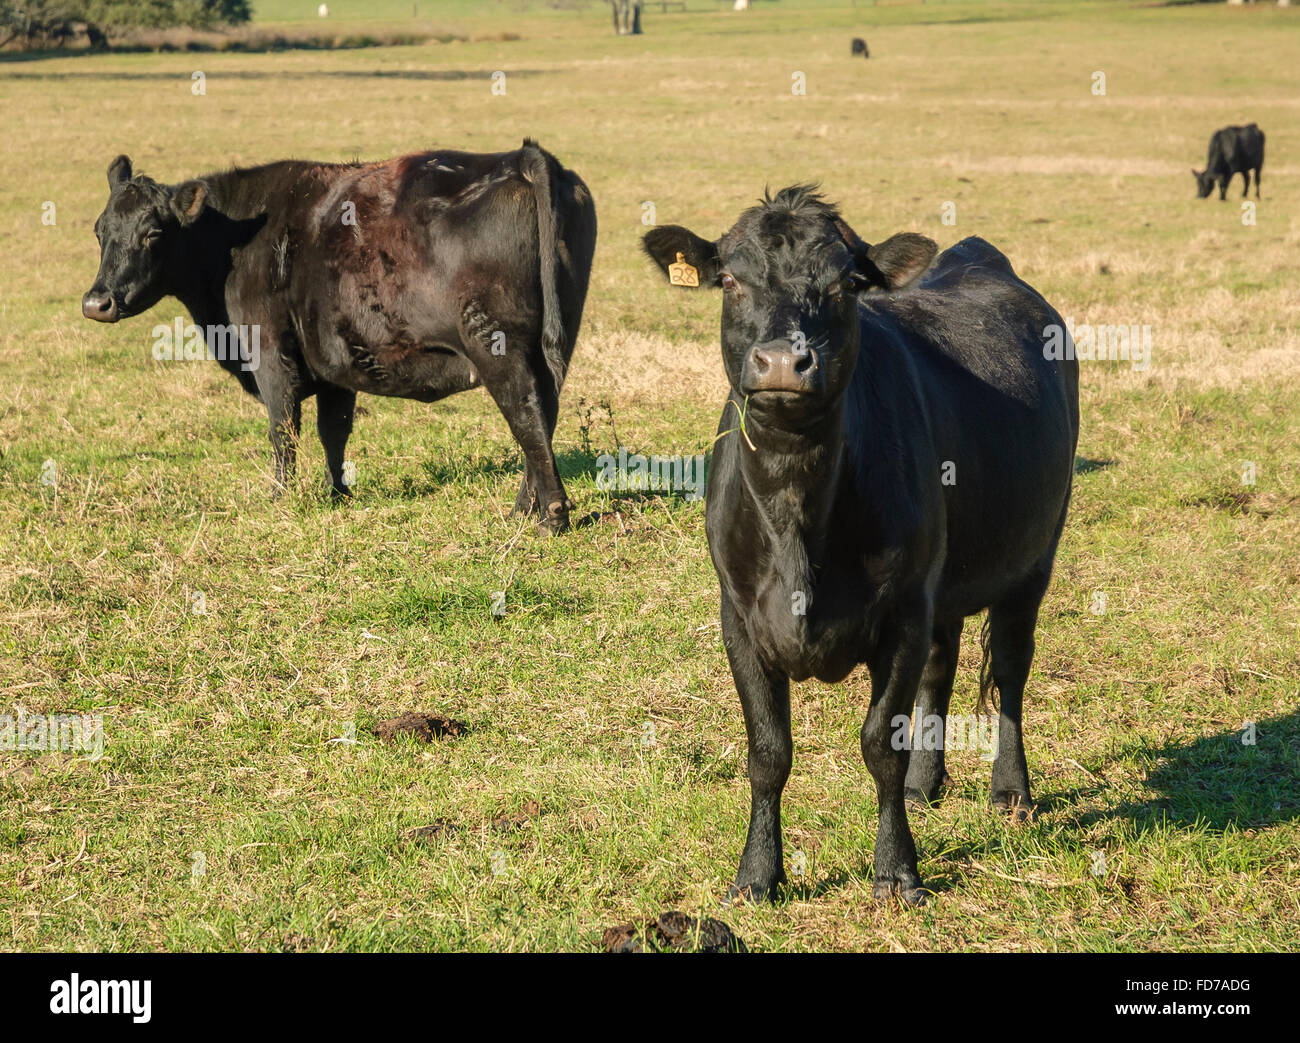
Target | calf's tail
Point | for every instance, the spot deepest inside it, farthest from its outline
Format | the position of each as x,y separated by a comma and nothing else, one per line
537,168
987,704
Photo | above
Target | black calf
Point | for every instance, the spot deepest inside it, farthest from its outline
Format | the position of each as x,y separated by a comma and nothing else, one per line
887,464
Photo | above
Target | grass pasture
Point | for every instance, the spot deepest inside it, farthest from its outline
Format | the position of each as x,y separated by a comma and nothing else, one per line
602,777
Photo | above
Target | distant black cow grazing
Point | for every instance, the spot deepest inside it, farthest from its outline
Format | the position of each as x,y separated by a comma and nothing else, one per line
416,277
887,465
860,47
1233,150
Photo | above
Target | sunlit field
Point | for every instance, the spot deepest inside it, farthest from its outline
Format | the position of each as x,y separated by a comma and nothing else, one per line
240,650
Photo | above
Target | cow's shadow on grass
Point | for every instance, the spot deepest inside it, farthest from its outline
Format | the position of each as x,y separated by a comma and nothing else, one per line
438,473
1218,782
576,466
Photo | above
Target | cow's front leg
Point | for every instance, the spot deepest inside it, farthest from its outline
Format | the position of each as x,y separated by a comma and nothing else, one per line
896,666
765,699
335,407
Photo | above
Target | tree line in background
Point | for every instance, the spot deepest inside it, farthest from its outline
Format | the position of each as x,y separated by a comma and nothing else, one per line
39,24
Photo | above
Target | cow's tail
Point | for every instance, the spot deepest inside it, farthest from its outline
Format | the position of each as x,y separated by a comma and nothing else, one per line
537,168
988,700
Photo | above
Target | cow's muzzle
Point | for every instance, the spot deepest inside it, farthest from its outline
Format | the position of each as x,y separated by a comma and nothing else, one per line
777,366
102,307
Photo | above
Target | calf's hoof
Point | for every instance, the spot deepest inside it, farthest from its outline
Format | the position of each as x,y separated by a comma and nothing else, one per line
907,888
928,795
752,893
1018,806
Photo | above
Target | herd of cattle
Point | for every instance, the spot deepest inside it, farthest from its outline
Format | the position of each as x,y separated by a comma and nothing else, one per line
896,452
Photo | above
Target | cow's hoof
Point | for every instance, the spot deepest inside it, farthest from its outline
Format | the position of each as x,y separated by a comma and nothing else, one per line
339,493
908,890
555,520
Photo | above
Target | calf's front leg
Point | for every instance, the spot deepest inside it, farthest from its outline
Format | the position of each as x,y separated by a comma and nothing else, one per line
765,699
896,666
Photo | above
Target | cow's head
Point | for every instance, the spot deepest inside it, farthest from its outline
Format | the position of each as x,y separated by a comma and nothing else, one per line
1204,182
140,246
790,270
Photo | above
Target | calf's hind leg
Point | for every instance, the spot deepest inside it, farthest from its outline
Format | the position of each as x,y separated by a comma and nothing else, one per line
926,770
1011,650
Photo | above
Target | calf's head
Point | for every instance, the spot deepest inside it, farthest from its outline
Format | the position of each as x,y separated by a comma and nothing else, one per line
140,237
1204,182
790,271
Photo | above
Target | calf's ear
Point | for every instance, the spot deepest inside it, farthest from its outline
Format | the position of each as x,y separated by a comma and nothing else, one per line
685,258
188,201
898,261
118,171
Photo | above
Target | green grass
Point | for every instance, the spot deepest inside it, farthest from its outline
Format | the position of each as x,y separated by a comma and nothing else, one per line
1157,827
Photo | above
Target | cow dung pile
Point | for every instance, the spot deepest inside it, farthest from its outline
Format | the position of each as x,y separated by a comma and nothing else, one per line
425,727
672,932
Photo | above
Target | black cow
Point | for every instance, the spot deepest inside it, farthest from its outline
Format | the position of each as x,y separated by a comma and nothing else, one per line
887,464
1233,150
416,277
860,47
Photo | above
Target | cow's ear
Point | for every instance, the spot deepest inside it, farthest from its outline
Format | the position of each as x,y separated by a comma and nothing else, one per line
897,262
188,201
118,171
685,258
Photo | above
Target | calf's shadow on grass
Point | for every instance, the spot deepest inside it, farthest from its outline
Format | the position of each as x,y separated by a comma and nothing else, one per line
1218,782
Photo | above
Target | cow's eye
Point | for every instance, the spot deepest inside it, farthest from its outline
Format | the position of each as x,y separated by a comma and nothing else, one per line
728,283
152,236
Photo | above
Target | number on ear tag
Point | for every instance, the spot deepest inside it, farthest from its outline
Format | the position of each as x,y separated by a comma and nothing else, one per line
683,274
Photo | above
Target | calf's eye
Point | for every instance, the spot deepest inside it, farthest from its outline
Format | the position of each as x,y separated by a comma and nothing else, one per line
728,282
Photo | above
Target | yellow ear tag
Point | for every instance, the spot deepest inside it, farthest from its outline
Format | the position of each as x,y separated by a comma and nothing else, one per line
682,274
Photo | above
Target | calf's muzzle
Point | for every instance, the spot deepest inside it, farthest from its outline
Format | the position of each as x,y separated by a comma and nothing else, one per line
777,366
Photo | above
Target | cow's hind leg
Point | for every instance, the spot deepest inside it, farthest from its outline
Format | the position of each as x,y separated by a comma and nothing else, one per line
519,382
926,770
1011,651
283,399
1258,170
528,500
1245,188
335,407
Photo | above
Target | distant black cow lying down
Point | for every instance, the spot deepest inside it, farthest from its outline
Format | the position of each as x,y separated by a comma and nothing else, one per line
417,277
887,464
1233,150
859,46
